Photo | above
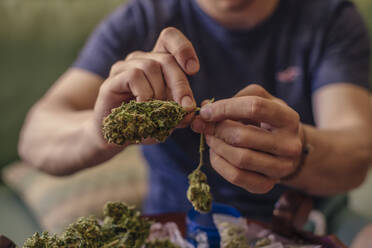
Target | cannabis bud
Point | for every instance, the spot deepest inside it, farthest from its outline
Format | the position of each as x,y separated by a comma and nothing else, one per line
126,223
262,242
198,192
85,232
42,241
135,121
233,236
123,227
161,244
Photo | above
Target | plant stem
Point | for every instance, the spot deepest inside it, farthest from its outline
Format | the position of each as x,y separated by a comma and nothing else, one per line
201,151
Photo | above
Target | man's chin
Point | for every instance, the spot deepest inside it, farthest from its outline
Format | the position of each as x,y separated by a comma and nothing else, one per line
234,5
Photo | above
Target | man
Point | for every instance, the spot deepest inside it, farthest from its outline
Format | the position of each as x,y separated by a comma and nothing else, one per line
311,54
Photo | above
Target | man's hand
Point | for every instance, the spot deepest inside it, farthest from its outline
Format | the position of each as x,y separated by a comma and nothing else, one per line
159,74
254,138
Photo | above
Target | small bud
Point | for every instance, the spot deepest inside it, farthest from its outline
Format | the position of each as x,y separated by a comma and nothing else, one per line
198,192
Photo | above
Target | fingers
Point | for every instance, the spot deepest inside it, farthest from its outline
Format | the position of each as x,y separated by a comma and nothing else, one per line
172,41
130,82
251,160
252,137
250,181
254,90
151,69
252,108
257,90
198,124
164,68
172,75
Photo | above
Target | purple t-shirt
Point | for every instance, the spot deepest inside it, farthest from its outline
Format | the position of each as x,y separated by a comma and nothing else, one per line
303,46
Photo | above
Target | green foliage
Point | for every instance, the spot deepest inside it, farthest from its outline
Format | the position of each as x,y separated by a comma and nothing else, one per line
135,121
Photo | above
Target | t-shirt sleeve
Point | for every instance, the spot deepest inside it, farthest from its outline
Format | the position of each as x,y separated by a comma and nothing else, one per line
346,51
111,41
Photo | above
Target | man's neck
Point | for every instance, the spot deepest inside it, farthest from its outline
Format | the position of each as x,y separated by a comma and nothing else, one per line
239,14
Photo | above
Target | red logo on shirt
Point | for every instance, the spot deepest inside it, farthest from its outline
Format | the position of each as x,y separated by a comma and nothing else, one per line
289,75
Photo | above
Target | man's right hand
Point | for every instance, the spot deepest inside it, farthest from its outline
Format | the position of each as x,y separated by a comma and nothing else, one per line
62,133
159,74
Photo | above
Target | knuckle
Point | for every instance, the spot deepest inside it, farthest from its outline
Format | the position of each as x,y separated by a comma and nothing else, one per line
264,187
242,159
236,137
167,59
180,88
115,68
275,147
288,148
235,177
133,55
222,110
297,148
168,32
286,168
294,149
150,65
213,157
135,74
183,48
256,106
257,88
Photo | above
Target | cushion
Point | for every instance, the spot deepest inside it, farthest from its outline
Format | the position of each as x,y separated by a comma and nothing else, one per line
58,201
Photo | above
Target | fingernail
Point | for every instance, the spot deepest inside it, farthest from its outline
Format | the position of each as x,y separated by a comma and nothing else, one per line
191,66
187,102
206,112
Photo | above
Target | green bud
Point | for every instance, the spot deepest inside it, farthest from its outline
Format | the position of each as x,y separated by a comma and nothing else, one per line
123,227
85,232
42,241
262,242
135,121
233,236
198,192
126,222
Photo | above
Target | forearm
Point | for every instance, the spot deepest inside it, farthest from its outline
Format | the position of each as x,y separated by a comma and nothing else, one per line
60,141
337,162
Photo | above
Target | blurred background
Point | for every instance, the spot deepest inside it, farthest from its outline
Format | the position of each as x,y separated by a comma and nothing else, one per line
39,40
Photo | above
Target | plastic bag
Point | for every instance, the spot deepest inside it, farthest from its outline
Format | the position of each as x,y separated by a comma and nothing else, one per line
234,230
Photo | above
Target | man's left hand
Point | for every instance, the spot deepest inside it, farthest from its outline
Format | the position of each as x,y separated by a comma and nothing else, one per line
254,138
